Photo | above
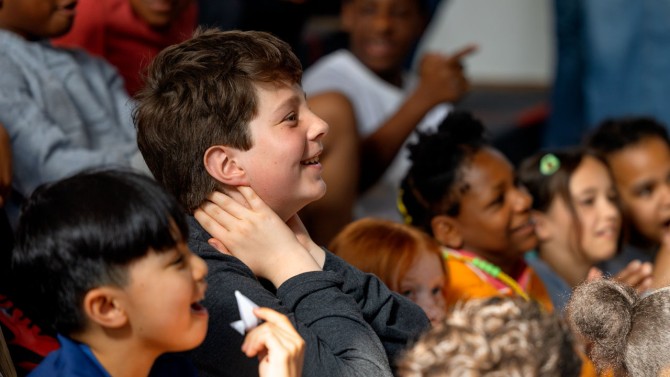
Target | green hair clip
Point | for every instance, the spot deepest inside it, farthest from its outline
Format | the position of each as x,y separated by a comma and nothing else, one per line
549,164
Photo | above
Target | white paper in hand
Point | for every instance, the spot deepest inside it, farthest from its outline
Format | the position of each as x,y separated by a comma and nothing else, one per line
248,320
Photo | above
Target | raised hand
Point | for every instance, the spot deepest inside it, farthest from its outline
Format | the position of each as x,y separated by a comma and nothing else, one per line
442,78
276,343
637,275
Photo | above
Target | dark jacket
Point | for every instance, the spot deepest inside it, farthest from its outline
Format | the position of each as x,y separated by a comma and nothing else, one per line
351,322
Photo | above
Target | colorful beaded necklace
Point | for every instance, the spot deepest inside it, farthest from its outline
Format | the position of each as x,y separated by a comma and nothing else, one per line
489,269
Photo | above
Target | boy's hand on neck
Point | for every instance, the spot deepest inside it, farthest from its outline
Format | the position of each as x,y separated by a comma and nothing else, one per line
256,235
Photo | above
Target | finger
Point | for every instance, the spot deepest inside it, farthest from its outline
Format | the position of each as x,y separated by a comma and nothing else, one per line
629,270
461,53
251,197
219,246
224,202
283,327
645,285
226,214
261,338
214,226
274,317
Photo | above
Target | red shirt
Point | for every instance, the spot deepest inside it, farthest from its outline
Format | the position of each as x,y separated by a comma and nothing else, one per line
111,29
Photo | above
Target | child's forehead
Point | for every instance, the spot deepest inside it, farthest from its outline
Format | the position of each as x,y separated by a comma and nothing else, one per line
486,162
643,155
274,96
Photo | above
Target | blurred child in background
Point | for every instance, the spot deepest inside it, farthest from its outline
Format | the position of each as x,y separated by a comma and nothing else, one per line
638,152
465,193
406,259
64,111
373,105
129,33
577,220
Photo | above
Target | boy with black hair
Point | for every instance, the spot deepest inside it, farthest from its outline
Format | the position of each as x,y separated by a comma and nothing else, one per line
93,259
225,112
101,259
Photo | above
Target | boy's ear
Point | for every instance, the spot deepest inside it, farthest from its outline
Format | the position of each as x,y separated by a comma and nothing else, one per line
221,164
446,231
103,306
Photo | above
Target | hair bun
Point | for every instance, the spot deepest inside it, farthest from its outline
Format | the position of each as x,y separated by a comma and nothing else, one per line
462,127
601,312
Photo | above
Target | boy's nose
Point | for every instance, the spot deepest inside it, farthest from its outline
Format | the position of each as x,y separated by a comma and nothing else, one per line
199,267
318,127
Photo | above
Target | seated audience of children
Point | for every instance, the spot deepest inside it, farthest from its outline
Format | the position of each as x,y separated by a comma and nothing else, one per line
223,124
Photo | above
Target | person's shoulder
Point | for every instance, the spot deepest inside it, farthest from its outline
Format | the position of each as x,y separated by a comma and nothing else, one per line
340,61
339,71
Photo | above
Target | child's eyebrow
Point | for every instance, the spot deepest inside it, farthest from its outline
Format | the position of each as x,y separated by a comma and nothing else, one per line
289,104
588,191
642,184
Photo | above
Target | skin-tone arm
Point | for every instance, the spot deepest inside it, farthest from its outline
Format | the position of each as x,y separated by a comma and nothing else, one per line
326,216
257,236
441,80
276,343
5,166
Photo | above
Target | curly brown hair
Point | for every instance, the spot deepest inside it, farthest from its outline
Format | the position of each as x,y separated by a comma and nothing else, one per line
500,336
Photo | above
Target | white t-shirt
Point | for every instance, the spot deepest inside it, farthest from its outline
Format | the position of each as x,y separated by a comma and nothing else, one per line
374,101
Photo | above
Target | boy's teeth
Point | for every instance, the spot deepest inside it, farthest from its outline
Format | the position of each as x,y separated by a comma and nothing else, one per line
311,162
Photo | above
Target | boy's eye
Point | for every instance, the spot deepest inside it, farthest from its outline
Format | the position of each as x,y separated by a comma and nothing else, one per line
179,261
292,117
436,291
